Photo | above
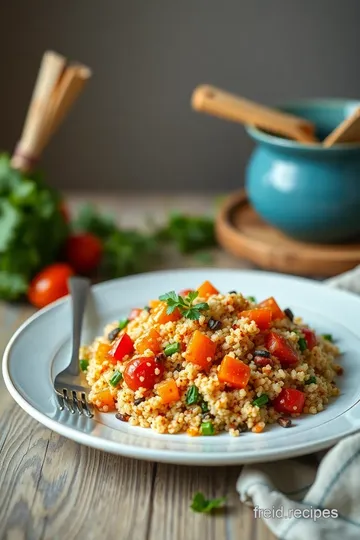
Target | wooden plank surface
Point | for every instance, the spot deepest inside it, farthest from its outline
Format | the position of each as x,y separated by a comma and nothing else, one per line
54,489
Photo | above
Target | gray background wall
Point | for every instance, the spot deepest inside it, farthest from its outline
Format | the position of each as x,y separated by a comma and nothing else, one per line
133,127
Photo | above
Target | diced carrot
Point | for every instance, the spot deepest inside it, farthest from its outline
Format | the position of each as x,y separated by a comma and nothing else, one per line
149,341
270,303
193,432
258,428
234,372
262,317
161,317
206,289
154,303
168,391
102,351
104,399
201,350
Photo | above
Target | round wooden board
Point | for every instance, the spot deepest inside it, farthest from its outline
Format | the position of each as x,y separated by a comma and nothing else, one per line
242,232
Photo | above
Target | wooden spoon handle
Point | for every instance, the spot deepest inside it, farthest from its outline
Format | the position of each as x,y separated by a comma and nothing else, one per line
216,102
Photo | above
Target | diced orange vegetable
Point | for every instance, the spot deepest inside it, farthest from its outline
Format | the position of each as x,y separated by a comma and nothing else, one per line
259,427
193,432
207,289
154,303
262,317
234,372
149,341
161,317
104,399
201,350
102,351
168,391
270,303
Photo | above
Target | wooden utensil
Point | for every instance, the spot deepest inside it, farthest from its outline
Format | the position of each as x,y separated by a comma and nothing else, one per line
347,131
216,102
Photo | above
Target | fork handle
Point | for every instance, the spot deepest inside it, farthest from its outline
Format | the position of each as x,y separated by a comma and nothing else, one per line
79,290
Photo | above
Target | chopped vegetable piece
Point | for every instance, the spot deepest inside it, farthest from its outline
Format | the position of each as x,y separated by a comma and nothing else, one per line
284,422
122,347
185,305
289,314
302,344
104,398
213,324
290,401
150,340
281,348
122,417
204,407
262,361
262,352
172,348
310,380
200,504
113,334
270,303
262,317
123,323
207,289
310,338
154,303
134,313
200,350
116,378
328,337
192,395
162,316
185,292
49,284
251,299
84,364
83,252
234,372
207,428
143,372
102,351
168,391
138,401
261,400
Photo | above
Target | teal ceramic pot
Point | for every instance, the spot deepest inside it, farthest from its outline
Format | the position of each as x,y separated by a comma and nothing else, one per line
309,192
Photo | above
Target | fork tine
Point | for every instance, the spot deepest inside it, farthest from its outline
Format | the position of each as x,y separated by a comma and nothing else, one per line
68,401
60,401
77,403
85,405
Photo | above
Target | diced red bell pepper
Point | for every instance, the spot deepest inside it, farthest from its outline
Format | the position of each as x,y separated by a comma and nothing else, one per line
134,313
270,303
122,347
289,401
185,292
281,348
262,317
310,338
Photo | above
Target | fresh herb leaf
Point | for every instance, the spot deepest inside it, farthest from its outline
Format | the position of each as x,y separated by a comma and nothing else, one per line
311,380
201,504
204,407
189,233
184,305
328,337
251,299
302,344
192,395
84,364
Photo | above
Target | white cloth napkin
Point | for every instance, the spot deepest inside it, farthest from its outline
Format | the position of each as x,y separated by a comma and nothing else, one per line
316,497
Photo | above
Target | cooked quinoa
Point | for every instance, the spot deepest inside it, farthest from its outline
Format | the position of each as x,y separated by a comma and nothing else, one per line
187,392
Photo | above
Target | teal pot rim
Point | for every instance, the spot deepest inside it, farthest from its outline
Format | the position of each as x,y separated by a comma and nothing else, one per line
263,137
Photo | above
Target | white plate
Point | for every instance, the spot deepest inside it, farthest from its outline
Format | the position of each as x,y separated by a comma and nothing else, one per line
41,348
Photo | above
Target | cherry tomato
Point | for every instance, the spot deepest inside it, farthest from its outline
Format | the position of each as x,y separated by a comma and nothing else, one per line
310,338
83,252
134,313
121,348
185,292
271,303
143,372
50,284
289,400
279,346
64,211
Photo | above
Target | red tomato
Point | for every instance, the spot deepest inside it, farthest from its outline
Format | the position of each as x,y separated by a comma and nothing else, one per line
143,372
121,348
310,338
262,317
185,292
270,303
83,252
289,400
50,284
281,348
134,313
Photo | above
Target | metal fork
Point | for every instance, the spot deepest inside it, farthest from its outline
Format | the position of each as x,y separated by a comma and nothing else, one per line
69,391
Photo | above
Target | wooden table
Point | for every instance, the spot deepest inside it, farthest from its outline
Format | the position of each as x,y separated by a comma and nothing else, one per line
52,488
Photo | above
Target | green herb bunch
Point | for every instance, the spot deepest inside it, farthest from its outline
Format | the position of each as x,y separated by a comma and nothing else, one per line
185,304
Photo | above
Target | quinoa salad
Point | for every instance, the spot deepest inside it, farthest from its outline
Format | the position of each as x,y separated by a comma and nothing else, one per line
205,362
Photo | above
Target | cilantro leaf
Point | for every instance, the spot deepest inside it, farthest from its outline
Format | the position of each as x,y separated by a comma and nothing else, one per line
184,305
201,504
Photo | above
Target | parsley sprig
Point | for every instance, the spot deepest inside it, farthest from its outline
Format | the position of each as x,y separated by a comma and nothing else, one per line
201,504
185,304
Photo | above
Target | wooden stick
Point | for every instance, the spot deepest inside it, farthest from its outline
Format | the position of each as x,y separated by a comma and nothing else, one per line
346,132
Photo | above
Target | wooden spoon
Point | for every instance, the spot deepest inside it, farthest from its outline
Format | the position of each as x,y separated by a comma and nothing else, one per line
347,131
216,102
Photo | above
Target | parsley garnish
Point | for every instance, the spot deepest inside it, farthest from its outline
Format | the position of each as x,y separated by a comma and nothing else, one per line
200,504
184,304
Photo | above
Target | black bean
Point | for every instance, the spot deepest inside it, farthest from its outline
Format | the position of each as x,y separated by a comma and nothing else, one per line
232,292
178,367
113,334
284,422
122,417
139,400
160,358
262,352
289,314
213,324
242,428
